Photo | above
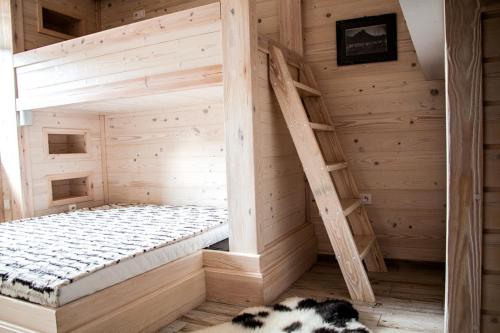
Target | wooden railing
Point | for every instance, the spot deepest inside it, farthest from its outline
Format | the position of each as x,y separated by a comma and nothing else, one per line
169,53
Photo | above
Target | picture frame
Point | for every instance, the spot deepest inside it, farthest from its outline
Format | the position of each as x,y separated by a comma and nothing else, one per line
367,39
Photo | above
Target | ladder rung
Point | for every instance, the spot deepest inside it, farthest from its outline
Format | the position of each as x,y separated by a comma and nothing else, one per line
336,166
364,243
349,205
306,91
322,127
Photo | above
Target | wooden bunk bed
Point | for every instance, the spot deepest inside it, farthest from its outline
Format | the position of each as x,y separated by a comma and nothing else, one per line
211,54
173,59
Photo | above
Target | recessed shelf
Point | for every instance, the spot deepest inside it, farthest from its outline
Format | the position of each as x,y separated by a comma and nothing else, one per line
58,24
68,189
66,142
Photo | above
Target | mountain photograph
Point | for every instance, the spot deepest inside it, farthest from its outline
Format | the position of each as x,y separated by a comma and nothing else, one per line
366,40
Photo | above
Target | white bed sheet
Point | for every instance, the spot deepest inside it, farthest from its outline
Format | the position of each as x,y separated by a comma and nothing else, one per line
135,266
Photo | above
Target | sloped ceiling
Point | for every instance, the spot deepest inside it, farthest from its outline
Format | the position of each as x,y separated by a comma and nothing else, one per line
425,20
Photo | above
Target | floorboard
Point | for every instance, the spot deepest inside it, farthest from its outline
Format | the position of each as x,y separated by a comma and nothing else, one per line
409,299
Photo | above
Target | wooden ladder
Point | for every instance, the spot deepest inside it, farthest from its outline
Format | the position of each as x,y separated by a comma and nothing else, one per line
330,179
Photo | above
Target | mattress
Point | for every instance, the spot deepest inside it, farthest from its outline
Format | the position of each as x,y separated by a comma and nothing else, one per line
55,259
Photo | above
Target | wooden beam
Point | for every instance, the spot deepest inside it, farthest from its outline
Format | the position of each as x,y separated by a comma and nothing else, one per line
104,158
291,25
18,25
239,43
465,139
10,133
171,82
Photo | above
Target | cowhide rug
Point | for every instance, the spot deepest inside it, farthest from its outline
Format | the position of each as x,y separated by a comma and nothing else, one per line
296,315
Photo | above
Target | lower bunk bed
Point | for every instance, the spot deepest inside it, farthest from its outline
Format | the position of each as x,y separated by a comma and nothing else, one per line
117,268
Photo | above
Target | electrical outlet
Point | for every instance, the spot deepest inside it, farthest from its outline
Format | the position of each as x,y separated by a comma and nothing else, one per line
72,207
366,198
6,204
140,14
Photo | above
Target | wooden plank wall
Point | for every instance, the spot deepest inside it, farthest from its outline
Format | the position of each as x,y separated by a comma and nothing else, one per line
491,227
4,196
173,155
115,13
280,178
268,18
391,125
85,10
44,166
11,134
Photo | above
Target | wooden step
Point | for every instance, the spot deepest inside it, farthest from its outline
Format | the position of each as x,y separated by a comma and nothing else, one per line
322,127
350,205
336,166
306,91
363,243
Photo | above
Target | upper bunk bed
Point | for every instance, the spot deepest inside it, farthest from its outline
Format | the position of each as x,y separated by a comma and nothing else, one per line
174,57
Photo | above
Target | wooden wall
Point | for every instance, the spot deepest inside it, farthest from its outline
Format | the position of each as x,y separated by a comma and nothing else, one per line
43,166
167,155
5,212
391,125
115,13
280,178
86,10
491,226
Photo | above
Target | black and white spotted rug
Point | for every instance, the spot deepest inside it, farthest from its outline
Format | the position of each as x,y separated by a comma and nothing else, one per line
296,315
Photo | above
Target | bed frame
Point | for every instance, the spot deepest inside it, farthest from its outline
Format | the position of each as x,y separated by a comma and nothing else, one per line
144,303
154,299
170,56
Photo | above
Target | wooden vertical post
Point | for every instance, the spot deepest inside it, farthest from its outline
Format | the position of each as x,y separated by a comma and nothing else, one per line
10,135
464,148
291,25
239,40
18,25
104,158
2,208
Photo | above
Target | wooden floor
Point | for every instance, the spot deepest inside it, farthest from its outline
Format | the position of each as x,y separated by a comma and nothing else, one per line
410,299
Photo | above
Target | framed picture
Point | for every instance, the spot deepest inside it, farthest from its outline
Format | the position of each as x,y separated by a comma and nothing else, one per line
367,39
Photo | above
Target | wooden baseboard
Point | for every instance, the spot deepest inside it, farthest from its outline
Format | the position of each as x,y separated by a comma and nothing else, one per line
248,280
233,287
286,272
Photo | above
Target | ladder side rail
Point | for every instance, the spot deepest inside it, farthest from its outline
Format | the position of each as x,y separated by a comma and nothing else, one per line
344,181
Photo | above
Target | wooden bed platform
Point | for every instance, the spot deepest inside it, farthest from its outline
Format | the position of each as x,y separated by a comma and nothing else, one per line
173,57
156,298
141,304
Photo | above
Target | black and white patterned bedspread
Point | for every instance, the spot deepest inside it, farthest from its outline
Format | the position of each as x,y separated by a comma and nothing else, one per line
38,256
